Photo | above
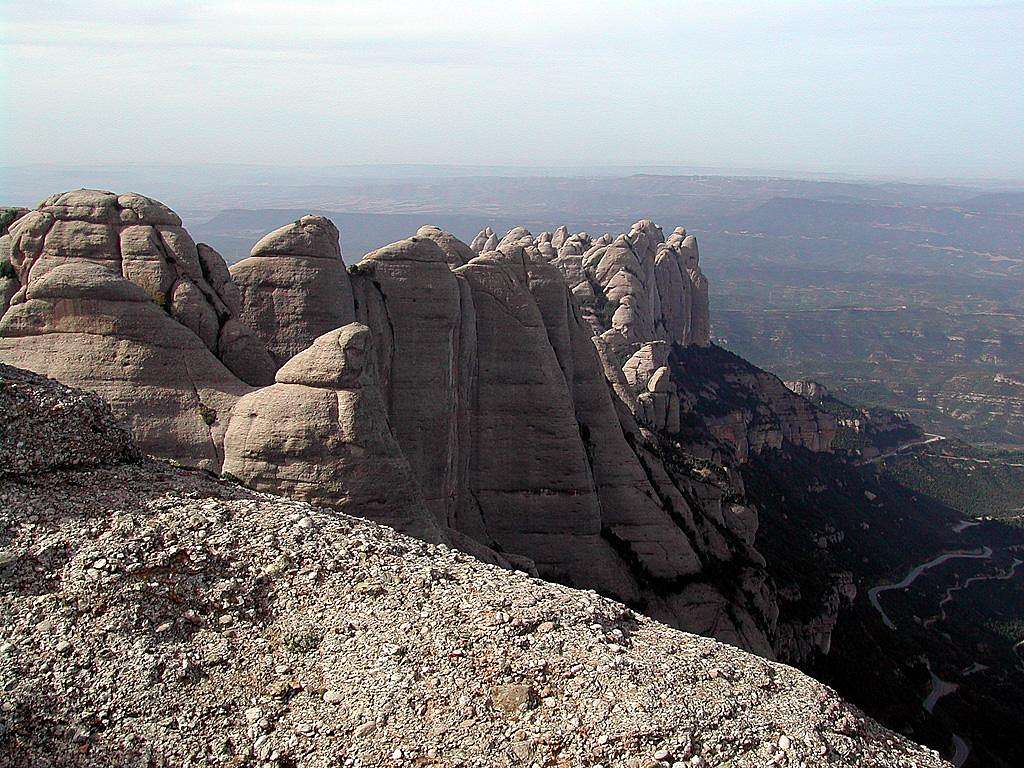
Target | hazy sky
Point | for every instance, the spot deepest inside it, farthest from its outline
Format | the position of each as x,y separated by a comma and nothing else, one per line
911,88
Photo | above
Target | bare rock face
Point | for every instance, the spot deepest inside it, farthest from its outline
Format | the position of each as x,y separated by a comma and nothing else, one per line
48,426
424,337
644,294
9,283
294,287
526,400
321,434
498,397
456,252
632,289
542,503
115,297
700,314
813,390
143,241
83,324
744,408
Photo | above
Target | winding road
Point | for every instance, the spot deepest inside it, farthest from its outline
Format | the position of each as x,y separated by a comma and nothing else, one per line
928,440
914,573
940,687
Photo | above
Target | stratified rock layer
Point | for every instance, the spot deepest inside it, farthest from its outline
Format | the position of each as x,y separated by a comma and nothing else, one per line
294,287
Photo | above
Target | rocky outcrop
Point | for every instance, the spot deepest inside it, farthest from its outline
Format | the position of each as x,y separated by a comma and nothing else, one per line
456,252
486,413
739,409
48,426
803,641
634,288
143,241
643,295
156,616
9,283
294,286
115,297
425,342
86,326
812,390
499,399
321,434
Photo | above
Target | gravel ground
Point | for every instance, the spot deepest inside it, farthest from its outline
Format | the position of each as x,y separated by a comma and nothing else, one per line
45,425
151,616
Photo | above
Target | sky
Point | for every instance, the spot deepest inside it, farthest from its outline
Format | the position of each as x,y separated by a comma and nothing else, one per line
915,89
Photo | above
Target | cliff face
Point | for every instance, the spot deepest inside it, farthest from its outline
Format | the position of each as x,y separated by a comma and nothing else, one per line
746,410
549,403
646,302
499,399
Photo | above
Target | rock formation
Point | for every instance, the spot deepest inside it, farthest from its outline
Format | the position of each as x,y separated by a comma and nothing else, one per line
294,287
500,401
321,434
641,291
533,404
115,297
85,325
154,616
744,408
425,344
9,283
813,390
634,288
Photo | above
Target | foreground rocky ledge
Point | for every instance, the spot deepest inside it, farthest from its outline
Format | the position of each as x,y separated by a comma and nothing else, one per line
153,616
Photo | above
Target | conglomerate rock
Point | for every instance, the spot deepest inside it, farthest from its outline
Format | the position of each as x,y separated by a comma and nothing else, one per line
47,426
321,434
142,240
294,286
155,616
640,290
425,346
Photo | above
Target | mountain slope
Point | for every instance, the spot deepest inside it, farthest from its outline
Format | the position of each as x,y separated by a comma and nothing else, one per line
156,616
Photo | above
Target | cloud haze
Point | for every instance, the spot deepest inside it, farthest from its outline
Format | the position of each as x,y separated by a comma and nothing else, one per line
924,89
